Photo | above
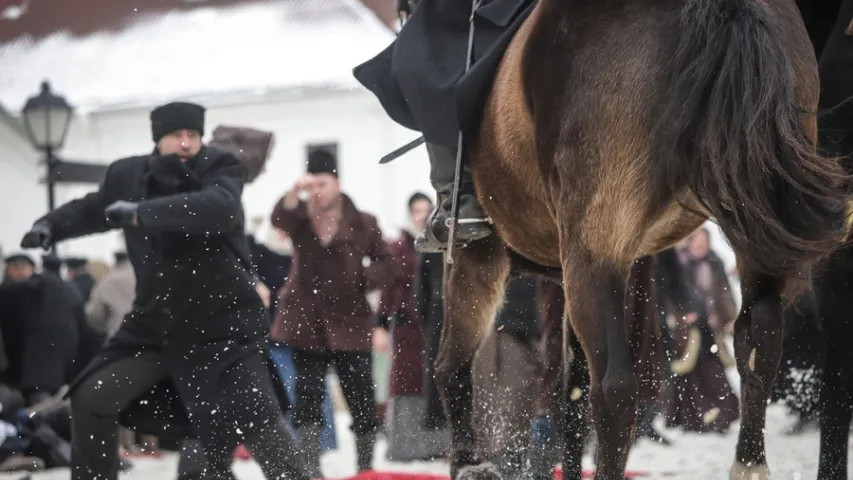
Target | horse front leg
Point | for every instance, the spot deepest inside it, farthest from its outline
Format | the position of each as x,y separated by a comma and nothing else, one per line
474,286
595,290
758,350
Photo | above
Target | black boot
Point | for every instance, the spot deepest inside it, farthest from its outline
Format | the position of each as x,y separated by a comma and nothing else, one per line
309,446
472,222
364,451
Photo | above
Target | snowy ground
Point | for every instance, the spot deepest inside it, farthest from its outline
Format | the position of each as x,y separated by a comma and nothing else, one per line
692,456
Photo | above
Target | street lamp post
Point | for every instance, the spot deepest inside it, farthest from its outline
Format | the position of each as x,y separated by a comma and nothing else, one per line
46,120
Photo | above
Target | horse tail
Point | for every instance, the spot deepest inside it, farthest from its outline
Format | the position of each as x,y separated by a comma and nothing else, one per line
734,135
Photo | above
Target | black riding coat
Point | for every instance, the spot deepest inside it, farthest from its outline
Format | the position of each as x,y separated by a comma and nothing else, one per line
195,298
420,78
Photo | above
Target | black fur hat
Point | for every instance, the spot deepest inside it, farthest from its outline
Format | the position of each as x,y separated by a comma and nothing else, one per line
321,161
168,118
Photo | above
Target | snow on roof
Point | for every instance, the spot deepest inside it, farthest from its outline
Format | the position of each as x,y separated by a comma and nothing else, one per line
277,45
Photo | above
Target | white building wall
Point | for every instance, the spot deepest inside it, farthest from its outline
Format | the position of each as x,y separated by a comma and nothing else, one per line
22,198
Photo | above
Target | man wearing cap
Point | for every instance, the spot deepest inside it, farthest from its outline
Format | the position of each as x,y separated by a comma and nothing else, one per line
323,314
79,276
51,265
191,354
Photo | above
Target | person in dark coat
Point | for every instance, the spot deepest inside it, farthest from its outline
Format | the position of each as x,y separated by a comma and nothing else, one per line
507,382
429,297
323,313
51,265
421,82
273,268
192,352
701,398
673,297
398,313
79,276
37,315
798,381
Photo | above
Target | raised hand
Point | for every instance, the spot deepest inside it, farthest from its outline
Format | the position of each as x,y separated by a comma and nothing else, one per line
39,236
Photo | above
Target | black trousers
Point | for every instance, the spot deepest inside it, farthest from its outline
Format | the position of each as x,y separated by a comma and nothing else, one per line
355,371
97,403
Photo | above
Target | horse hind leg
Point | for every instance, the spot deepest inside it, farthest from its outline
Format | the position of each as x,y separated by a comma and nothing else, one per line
474,286
758,350
595,291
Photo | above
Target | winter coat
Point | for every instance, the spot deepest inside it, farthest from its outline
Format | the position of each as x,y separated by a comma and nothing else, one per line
272,268
398,312
195,300
429,297
323,306
39,322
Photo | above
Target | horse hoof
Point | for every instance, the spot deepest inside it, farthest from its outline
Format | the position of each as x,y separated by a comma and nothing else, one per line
755,472
483,471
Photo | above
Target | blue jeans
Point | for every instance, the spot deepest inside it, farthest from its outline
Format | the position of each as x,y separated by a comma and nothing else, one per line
282,356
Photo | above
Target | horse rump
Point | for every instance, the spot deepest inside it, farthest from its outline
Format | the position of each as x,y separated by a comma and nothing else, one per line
733,133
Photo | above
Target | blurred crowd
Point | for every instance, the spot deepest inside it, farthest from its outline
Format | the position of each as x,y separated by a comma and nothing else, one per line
340,296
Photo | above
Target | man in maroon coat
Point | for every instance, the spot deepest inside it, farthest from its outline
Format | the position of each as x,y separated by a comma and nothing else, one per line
323,314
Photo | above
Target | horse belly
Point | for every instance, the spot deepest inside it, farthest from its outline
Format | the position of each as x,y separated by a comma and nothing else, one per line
529,229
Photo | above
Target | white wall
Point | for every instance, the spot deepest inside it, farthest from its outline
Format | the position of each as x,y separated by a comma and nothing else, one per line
353,119
22,198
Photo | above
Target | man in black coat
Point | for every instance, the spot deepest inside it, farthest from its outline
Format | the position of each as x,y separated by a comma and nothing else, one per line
422,84
51,265
37,315
80,277
196,334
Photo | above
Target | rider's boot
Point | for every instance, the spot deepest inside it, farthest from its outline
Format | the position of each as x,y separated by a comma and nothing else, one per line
472,222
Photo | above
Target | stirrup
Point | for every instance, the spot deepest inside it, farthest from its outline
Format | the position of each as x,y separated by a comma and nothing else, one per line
427,243
465,221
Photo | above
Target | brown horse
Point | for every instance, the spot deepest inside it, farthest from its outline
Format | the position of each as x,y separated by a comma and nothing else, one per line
614,129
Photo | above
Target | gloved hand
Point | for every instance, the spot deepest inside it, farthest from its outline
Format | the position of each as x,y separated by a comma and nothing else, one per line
122,214
39,236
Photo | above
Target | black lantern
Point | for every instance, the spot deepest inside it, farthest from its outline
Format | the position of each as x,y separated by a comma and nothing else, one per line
46,119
